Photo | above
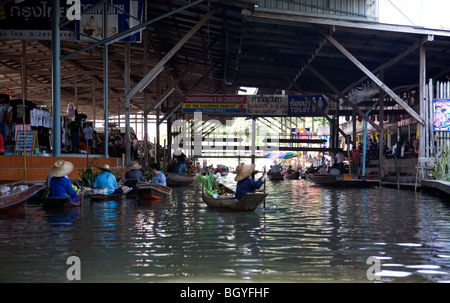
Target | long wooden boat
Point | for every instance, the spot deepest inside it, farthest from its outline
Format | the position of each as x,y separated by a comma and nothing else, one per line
103,197
292,174
60,203
179,180
148,191
346,180
276,176
10,203
249,202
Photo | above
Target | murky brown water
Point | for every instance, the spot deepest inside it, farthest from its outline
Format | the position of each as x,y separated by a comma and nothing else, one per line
304,234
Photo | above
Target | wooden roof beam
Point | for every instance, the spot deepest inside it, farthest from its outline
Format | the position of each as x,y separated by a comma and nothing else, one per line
411,50
374,78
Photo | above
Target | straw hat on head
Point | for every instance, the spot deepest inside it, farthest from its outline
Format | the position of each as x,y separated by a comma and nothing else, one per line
61,168
243,171
105,168
135,165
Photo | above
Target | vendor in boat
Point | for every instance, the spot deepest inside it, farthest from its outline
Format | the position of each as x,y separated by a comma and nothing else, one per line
60,185
245,184
108,179
158,176
335,171
134,173
180,161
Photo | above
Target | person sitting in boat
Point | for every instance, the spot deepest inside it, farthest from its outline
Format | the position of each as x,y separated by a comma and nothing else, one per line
60,185
275,169
335,170
245,184
181,160
108,179
134,173
323,169
158,176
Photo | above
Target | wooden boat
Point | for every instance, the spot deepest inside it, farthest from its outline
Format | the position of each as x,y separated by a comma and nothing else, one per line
101,194
179,180
346,180
249,202
292,174
148,191
103,197
60,203
10,203
276,176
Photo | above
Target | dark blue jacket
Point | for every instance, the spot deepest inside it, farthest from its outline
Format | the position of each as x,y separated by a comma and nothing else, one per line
248,185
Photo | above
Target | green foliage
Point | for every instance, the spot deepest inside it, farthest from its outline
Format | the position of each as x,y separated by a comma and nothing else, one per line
209,184
87,176
441,169
148,175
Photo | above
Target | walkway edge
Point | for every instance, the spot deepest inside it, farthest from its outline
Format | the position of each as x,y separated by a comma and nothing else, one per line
440,185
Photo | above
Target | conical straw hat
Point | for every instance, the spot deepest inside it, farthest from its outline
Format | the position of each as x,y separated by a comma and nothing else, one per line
105,167
243,171
135,165
61,168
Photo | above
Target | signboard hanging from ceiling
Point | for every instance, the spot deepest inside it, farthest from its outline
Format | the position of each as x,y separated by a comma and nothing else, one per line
31,20
122,15
300,106
267,105
225,104
256,105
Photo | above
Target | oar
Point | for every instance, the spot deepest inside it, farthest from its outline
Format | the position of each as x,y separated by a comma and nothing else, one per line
264,186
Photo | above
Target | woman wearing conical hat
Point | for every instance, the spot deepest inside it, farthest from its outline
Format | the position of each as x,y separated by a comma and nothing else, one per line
245,183
134,173
108,179
60,185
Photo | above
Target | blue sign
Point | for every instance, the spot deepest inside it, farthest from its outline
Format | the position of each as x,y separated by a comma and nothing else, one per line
299,106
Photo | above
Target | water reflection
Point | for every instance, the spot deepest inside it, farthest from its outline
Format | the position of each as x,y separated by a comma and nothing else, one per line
305,233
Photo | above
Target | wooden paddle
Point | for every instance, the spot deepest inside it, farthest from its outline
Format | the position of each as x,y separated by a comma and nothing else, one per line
264,185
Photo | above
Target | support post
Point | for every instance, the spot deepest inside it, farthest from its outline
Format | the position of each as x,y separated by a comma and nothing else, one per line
56,79
127,104
105,76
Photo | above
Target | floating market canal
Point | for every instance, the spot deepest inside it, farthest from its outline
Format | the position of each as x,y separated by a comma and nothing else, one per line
305,233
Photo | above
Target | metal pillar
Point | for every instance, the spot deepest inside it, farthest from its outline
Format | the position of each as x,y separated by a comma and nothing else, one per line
56,79
105,75
127,104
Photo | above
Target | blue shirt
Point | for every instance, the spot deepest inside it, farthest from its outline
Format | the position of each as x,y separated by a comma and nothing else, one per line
248,185
107,180
60,187
160,178
135,174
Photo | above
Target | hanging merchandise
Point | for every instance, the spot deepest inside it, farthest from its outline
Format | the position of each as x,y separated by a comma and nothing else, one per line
71,110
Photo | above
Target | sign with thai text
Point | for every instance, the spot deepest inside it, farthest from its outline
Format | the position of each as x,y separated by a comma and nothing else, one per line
300,106
32,20
267,105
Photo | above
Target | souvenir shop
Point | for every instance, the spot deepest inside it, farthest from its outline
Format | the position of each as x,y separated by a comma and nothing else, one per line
16,116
